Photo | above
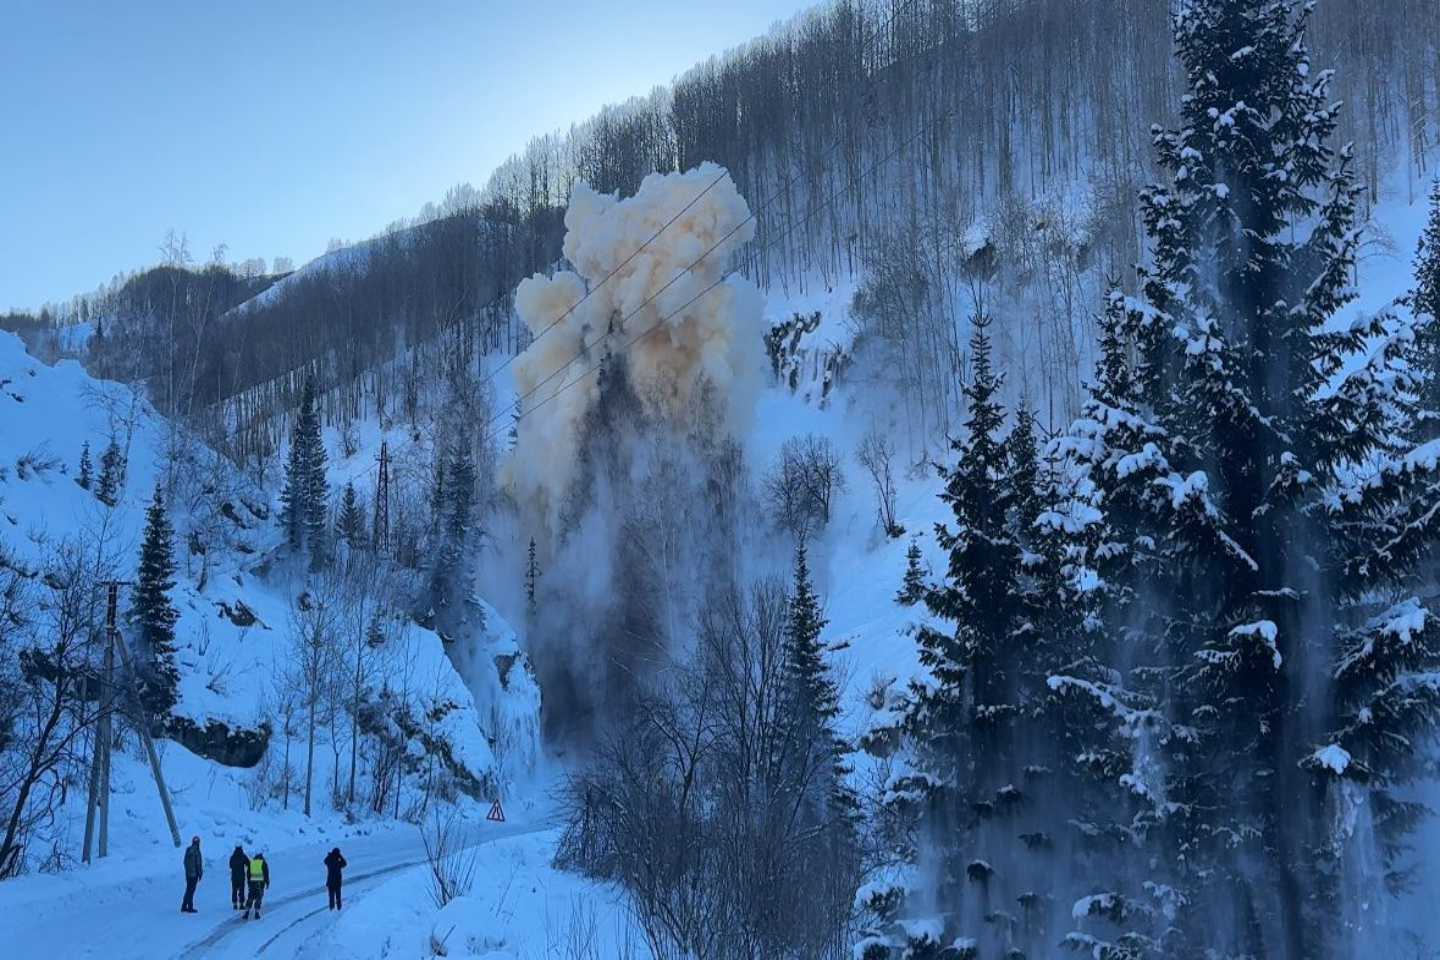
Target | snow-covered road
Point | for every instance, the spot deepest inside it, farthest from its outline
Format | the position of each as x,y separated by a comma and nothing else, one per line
138,915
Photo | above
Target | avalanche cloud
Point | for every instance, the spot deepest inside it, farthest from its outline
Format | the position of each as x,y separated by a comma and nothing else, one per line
656,292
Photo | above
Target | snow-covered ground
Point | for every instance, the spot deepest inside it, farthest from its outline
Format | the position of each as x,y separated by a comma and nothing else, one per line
129,907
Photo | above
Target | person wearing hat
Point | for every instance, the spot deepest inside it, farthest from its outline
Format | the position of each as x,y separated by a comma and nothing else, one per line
259,881
194,870
334,863
239,868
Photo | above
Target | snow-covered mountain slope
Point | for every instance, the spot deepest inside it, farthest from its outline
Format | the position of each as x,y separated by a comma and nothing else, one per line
235,631
233,625
235,609
859,570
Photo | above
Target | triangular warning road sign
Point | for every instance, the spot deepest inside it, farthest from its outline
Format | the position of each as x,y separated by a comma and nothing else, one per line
496,814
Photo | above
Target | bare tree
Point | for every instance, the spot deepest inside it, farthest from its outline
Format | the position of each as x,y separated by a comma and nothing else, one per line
284,705
877,456
45,668
802,486
314,627
366,653
701,807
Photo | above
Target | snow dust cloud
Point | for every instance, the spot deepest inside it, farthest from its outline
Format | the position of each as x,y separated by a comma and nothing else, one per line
711,344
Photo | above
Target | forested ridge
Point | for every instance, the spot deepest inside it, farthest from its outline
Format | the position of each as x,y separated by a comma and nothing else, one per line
916,144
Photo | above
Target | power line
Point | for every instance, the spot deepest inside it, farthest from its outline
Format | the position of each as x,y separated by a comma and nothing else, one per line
574,306
784,233
923,127
498,300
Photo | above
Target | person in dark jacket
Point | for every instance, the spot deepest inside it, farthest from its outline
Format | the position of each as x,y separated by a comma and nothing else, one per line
194,870
334,863
259,883
239,867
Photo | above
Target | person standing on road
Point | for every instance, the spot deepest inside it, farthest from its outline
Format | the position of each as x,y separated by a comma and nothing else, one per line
334,863
194,870
259,883
239,867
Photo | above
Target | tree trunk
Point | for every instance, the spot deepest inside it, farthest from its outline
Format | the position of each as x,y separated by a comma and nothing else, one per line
355,724
310,759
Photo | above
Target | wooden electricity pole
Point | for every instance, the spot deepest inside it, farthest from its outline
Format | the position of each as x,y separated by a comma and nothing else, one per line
99,793
145,738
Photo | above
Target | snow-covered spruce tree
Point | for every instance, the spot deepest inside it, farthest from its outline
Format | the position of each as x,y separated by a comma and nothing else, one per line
912,587
1268,516
112,467
375,632
813,702
1023,469
1096,540
821,807
304,498
152,612
962,775
317,492
1425,302
449,573
350,526
84,476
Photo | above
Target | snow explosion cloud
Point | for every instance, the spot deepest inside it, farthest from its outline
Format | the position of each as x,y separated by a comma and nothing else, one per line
684,342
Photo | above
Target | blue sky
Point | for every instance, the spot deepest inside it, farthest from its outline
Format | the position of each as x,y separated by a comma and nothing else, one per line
275,126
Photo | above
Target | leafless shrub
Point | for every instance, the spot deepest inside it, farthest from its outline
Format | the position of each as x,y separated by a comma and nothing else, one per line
450,861
35,463
705,808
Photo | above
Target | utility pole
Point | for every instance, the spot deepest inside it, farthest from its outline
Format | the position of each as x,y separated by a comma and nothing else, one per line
382,501
145,738
99,793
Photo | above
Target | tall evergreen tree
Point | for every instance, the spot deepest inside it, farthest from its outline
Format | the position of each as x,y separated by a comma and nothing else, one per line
532,576
84,477
813,697
449,574
823,808
375,632
1425,301
1023,473
305,497
1427,260
351,524
1254,503
317,489
912,588
964,778
152,612
1097,542
112,469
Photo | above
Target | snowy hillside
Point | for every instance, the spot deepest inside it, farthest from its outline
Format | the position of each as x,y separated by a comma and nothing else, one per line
911,538
233,615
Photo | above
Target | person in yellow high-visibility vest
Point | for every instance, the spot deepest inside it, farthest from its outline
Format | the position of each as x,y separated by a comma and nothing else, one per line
259,882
